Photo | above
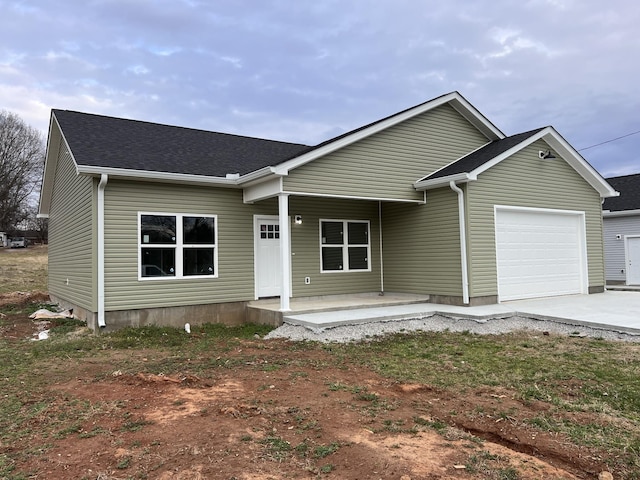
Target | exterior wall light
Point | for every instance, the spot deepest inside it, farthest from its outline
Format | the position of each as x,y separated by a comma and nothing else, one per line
298,219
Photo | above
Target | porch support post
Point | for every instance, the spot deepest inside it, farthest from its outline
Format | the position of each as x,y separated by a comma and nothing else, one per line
285,250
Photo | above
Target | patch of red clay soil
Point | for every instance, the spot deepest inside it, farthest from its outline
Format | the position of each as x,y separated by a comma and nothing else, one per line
17,326
303,418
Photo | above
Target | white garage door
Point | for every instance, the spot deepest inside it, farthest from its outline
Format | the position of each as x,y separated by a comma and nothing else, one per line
540,253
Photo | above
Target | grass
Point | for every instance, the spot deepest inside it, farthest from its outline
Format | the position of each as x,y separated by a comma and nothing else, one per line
567,374
23,270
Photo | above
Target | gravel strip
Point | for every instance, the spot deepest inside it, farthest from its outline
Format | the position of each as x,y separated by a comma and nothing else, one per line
437,323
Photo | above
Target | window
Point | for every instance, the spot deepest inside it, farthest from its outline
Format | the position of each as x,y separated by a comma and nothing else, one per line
344,245
178,246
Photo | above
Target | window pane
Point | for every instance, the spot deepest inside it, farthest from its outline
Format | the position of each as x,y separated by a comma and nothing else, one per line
358,258
358,234
158,262
332,233
199,230
198,261
158,229
332,258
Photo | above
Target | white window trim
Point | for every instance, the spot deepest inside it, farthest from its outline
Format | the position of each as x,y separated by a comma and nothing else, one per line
179,247
345,245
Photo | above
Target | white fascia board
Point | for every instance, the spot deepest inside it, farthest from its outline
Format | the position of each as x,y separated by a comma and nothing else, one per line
486,166
621,213
263,190
256,176
50,161
354,197
54,140
443,181
454,98
451,163
145,175
566,151
577,161
477,119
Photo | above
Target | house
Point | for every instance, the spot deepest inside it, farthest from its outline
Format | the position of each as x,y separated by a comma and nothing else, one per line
158,224
621,219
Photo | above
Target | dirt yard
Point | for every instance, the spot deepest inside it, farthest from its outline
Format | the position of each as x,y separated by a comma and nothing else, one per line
269,410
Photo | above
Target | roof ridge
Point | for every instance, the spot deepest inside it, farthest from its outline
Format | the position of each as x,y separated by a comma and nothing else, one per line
166,125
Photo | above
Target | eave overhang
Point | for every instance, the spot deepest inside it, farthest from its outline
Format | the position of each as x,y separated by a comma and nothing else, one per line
620,213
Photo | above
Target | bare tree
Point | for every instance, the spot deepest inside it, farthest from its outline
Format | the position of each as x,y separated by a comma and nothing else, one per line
38,228
21,165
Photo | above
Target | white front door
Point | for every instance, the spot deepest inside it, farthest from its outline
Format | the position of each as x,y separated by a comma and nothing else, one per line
633,260
267,257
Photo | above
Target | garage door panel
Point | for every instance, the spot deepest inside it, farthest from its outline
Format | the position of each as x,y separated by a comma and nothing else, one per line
538,253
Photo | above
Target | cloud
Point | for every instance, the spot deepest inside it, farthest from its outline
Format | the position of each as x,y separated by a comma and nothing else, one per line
304,71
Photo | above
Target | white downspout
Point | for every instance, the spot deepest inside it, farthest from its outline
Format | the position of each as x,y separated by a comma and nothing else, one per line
381,259
285,251
463,242
104,178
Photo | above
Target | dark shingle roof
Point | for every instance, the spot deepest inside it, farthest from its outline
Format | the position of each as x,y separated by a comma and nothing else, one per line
629,188
101,141
481,156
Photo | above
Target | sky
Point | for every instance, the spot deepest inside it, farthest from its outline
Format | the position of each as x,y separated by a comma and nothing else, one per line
305,71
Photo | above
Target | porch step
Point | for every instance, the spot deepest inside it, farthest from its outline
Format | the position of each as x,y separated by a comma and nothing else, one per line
268,311
351,316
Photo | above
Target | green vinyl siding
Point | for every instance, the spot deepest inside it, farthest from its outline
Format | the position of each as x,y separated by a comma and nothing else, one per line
72,246
527,181
235,282
386,164
305,247
421,246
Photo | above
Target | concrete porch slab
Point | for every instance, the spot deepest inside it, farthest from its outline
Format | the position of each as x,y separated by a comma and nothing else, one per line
328,303
616,310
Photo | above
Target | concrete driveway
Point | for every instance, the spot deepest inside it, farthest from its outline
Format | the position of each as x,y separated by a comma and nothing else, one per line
608,309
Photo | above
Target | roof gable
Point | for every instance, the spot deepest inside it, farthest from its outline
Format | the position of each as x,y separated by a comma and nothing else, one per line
473,164
455,99
629,188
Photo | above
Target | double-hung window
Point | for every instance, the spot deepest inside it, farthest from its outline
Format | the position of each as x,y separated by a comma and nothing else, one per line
177,245
344,245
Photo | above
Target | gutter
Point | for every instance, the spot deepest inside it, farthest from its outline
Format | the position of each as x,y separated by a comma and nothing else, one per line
104,178
463,242
443,181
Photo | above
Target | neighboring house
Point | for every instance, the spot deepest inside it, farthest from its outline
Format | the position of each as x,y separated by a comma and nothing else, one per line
151,223
622,231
